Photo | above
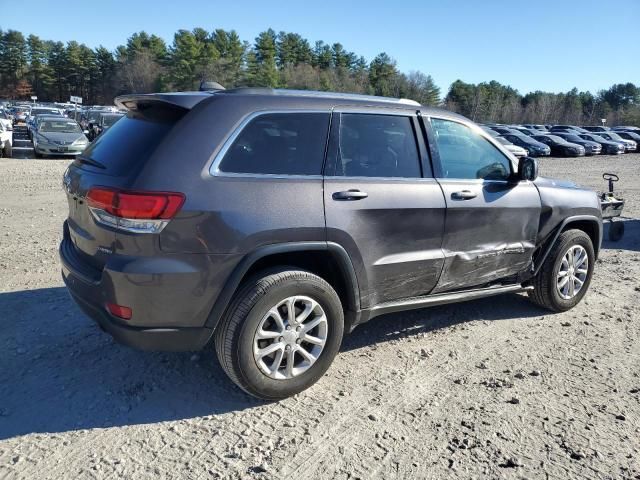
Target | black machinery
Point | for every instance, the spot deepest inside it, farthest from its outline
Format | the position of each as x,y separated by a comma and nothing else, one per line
612,204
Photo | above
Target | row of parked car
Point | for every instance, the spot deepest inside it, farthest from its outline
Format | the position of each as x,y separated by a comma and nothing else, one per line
565,140
56,129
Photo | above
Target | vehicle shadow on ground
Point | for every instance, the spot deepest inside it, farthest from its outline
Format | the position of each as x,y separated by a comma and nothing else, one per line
60,372
631,239
403,324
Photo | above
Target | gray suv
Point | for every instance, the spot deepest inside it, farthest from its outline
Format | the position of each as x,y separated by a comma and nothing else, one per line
270,223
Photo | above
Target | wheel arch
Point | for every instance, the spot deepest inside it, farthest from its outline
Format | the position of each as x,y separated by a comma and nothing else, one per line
328,260
589,224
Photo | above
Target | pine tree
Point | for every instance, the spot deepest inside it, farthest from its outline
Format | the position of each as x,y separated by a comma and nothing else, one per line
266,74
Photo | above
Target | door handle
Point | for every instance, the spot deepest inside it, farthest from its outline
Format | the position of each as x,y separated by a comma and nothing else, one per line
353,194
463,195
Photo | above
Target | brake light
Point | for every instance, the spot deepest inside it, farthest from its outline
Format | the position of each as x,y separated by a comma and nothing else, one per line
133,211
138,205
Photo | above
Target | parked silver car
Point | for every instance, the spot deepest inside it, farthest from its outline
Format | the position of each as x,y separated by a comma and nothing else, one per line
61,136
629,145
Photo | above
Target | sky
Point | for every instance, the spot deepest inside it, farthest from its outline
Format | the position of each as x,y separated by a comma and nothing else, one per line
549,45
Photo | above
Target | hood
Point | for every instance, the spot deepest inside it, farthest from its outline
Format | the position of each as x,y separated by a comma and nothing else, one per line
62,138
554,182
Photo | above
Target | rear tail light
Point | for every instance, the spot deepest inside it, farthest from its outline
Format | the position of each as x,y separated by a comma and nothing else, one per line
134,211
119,311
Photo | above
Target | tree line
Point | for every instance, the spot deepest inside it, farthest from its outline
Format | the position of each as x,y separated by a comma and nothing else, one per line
494,102
53,71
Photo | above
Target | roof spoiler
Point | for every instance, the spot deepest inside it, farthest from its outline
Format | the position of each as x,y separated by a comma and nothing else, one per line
182,100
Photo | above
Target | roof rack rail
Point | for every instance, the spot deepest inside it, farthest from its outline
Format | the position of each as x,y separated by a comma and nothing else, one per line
316,94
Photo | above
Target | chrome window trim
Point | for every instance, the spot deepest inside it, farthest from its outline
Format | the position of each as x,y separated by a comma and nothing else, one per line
214,169
335,178
377,110
274,176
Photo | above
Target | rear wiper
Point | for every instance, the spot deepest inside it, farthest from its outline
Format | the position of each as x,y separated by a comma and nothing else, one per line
89,161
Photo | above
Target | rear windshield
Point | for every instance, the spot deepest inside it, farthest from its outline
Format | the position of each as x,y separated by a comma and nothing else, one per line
47,111
128,142
109,120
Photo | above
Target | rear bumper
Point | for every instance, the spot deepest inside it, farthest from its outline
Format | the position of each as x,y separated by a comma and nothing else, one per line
155,339
171,298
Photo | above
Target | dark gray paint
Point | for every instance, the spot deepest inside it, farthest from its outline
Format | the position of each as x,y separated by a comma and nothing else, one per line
405,240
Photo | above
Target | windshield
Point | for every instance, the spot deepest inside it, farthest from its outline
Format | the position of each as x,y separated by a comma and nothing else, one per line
613,136
572,138
61,126
555,138
92,117
595,138
109,120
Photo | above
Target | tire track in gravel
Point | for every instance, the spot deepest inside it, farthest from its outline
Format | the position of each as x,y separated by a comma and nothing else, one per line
346,422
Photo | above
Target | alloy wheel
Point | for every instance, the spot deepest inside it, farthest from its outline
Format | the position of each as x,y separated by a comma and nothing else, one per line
573,272
290,337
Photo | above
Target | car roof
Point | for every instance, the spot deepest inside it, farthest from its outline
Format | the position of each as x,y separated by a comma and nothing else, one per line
292,98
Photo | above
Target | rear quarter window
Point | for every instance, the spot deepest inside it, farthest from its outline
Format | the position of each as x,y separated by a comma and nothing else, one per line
279,144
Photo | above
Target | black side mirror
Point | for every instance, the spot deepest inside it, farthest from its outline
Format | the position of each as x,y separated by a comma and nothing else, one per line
527,168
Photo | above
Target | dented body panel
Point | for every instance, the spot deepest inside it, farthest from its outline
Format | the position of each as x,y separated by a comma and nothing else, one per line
491,236
562,199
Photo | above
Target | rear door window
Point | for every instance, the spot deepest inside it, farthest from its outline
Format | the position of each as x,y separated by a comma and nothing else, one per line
373,145
291,143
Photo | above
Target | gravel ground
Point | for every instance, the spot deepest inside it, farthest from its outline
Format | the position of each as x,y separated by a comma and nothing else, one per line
495,388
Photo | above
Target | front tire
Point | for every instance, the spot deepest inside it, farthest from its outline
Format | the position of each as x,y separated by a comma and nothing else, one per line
280,333
566,273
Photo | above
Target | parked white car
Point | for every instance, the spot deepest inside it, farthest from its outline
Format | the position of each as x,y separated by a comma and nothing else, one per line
6,140
6,119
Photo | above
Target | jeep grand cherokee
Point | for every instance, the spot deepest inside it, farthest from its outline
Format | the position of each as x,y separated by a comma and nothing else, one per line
270,222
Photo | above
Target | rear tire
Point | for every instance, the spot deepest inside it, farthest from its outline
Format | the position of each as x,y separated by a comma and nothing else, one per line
7,152
549,291
257,320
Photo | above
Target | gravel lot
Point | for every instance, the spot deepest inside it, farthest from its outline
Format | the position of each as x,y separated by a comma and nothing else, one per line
495,388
